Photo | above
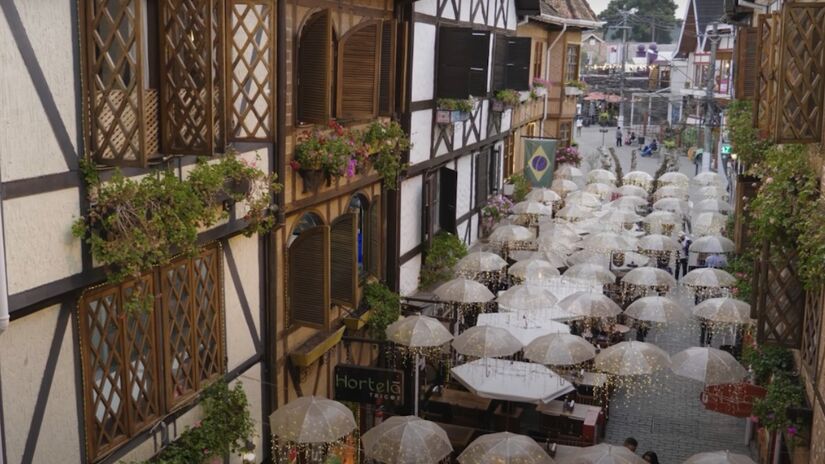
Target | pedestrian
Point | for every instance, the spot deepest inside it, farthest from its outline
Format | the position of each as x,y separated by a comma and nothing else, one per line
697,160
716,260
642,328
579,124
651,457
618,136
706,332
682,263
631,444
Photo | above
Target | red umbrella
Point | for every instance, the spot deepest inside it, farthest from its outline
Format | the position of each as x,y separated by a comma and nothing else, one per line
733,399
594,96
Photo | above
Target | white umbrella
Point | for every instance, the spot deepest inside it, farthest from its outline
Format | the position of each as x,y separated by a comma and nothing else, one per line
480,261
504,448
586,199
725,310
658,242
557,244
543,195
712,244
486,342
510,233
526,298
561,349
712,191
708,223
406,440
674,178
661,217
639,178
708,277
632,358
532,207
563,186
719,457
527,326
530,269
601,175
674,205
312,419
555,259
603,259
607,241
574,212
707,365
586,304
657,309
464,291
649,277
568,171
670,191
602,190
603,454
707,178
560,231
631,202
712,205
631,190
502,379
591,273
619,216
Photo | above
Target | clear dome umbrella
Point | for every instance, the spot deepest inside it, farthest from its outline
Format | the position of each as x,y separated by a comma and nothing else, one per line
563,186
656,309
662,217
557,245
480,261
632,358
601,176
533,269
560,231
406,440
628,202
712,205
543,195
510,233
657,242
712,191
649,277
707,365
554,258
712,244
526,298
568,171
591,273
504,448
603,191
719,457
620,216
724,310
602,258
587,304
560,349
708,278
312,420
632,190
603,454
674,178
608,241
486,342
532,207
670,191
574,212
707,178
708,223
582,198
639,178
673,205
462,290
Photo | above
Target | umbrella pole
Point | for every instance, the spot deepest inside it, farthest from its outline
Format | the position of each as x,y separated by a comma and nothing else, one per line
417,390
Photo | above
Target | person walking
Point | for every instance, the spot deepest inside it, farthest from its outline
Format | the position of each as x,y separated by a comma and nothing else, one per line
697,160
651,457
618,136
579,124
682,263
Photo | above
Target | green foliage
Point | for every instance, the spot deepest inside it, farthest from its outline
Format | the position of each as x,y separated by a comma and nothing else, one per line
386,308
741,266
521,187
662,12
509,97
452,104
225,429
744,138
767,360
577,84
327,151
670,144
386,143
444,252
772,410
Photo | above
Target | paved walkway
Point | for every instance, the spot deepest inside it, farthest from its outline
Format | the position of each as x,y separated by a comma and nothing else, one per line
669,419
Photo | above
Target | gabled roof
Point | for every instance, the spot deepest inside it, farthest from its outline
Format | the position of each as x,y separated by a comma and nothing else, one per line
708,11
592,35
570,9
574,13
698,15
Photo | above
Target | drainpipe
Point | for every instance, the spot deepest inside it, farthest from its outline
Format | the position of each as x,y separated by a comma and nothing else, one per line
547,73
4,293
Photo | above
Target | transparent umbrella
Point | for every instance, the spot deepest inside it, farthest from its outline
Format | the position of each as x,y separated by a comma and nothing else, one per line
661,217
543,195
560,231
674,178
631,190
406,440
712,191
670,191
657,242
567,171
708,223
603,454
719,457
639,178
462,290
510,233
504,448
608,241
708,277
620,216
725,310
601,175
586,199
586,304
591,273
480,261
707,365
559,349
554,258
574,212
602,190
563,186
649,277
602,258
628,202
486,342
532,207
530,269
656,309
712,205
312,420
712,244
557,244
526,298
674,205
707,178
632,358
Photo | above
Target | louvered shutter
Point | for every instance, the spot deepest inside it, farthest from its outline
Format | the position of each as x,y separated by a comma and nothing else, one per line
314,69
746,62
309,272
374,258
386,86
518,63
401,48
482,173
447,187
494,172
344,259
500,62
479,55
190,93
453,62
359,65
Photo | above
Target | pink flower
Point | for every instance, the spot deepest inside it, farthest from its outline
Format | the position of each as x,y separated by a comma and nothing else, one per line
754,419
769,180
792,430
294,165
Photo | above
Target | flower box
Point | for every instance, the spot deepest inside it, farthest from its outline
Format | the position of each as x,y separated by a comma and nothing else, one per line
450,116
523,96
571,91
306,354
357,322
540,91
497,105
312,179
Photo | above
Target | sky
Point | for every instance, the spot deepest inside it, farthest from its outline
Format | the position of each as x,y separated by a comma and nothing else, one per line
599,6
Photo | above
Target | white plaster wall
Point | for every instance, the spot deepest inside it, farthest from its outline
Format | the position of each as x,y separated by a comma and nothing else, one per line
147,449
239,343
409,276
251,381
421,133
474,236
465,185
461,228
464,10
28,143
40,247
426,7
24,350
423,63
506,120
512,19
411,207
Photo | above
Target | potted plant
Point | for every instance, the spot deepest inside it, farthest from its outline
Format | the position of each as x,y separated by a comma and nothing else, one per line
324,156
385,144
383,306
520,187
450,110
568,155
493,212
443,253
540,86
504,99
574,88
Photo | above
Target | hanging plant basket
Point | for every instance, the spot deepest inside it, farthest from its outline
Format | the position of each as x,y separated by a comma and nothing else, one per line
312,179
498,106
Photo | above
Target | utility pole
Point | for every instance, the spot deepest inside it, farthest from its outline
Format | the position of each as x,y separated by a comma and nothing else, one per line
710,85
624,27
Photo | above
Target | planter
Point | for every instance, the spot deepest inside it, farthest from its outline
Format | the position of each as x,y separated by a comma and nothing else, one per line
450,116
523,96
354,323
306,354
497,105
459,116
540,91
312,179
572,91
238,186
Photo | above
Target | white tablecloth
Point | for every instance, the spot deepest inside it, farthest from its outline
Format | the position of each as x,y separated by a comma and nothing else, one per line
501,379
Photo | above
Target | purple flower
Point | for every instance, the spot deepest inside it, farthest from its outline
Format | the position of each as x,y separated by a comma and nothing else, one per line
792,430
351,167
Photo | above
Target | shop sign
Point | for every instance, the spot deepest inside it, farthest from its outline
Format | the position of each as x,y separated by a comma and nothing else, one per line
369,385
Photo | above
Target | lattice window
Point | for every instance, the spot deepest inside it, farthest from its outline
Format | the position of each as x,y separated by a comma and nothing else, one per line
813,325
766,84
126,367
780,298
571,63
565,133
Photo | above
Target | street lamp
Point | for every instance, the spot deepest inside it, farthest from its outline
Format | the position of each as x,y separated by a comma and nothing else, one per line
603,130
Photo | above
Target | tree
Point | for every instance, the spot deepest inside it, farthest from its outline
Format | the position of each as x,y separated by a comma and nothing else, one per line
650,14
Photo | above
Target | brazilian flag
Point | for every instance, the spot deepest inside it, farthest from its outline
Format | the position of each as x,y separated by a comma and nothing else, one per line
539,160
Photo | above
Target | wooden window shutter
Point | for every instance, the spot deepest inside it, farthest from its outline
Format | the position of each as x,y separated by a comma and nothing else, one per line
482,174
500,62
374,236
746,62
479,63
518,63
386,87
122,112
251,73
308,278
401,70
462,62
359,66
344,259
494,172
189,87
447,185
801,73
314,69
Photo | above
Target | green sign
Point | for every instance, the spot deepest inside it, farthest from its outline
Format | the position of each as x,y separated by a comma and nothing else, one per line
726,149
539,161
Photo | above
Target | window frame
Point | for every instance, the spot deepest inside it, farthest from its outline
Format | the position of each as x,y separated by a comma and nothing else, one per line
538,59
568,62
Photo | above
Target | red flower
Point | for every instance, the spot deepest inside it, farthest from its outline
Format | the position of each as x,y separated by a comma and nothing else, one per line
294,165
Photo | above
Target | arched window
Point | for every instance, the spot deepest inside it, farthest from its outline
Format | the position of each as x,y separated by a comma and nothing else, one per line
359,61
307,221
315,69
308,272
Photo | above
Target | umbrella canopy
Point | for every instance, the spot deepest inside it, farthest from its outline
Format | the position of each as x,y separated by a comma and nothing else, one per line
502,379
712,191
674,178
602,190
628,202
527,326
708,223
504,448
526,298
712,244
586,199
532,207
619,216
480,261
640,178
649,277
586,304
604,454
555,259
464,291
418,332
312,419
712,205
556,244
708,277
719,457
603,259
661,217
607,241
560,231
670,191
707,178
657,309
406,440
725,310
602,176
631,190
510,233
563,186
707,365
574,212
632,358
486,341
658,242
591,273
543,195
561,349
529,269
568,171
674,205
